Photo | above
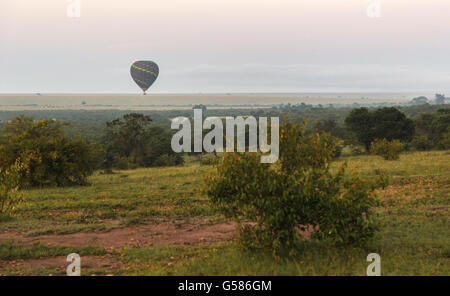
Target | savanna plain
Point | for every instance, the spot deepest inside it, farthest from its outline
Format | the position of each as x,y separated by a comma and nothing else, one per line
159,221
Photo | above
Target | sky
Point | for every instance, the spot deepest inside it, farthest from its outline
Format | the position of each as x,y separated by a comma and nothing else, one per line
221,46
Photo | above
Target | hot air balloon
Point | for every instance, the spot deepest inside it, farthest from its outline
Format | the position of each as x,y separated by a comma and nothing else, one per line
144,73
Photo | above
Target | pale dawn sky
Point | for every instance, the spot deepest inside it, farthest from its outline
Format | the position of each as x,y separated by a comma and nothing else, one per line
225,45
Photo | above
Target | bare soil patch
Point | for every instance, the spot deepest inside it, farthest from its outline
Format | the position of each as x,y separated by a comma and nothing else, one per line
152,234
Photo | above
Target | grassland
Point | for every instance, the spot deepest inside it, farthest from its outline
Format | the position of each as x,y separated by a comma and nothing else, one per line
158,221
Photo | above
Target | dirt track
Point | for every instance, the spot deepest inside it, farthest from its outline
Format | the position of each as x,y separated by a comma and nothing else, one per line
153,234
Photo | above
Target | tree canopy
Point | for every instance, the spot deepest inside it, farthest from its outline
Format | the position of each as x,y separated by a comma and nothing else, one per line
383,123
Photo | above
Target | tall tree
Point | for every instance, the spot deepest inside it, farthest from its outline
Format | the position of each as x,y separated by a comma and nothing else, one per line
127,135
383,123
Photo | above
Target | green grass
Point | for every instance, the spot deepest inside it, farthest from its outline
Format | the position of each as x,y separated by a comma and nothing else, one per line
413,209
144,194
10,251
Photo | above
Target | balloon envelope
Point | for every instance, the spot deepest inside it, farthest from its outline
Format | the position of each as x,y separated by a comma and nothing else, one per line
144,73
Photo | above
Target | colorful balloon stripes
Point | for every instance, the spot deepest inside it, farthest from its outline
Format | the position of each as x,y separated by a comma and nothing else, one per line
144,73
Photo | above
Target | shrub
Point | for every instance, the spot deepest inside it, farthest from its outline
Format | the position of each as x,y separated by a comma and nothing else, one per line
274,203
422,143
168,160
354,147
208,159
357,150
120,162
50,157
338,151
389,150
9,186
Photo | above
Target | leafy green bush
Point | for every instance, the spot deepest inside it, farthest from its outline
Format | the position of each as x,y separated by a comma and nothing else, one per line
49,156
274,204
354,148
120,162
168,160
389,150
9,186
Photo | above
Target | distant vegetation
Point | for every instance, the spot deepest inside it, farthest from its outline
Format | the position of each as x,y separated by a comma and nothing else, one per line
66,149
433,131
383,123
133,142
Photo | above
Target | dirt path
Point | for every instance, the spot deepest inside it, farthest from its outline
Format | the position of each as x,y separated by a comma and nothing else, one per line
153,234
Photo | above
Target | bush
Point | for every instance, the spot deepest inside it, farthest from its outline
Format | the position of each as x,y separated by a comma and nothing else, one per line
389,150
169,160
354,148
49,156
120,162
357,150
9,186
422,143
273,204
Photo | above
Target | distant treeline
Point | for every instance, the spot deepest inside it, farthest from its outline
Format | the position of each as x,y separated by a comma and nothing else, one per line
58,148
91,124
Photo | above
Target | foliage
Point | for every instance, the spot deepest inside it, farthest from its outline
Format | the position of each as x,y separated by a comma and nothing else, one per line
91,124
421,143
9,186
383,123
389,150
330,126
283,200
419,100
49,157
433,130
440,129
132,143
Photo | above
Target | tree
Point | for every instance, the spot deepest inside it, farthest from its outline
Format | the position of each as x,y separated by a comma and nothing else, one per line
419,100
433,130
360,123
133,142
330,126
440,129
383,123
127,136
